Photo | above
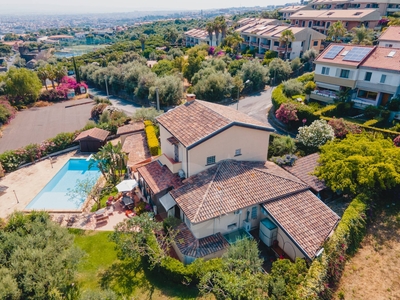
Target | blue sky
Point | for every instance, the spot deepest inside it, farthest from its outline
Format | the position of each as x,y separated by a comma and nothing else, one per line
102,6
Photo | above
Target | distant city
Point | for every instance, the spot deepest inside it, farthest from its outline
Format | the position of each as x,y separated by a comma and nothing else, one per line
20,24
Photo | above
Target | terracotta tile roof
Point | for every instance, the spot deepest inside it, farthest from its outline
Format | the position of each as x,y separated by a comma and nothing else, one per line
198,33
137,149
305,218
392,33
173,140
303,168
94,133
130,128
231,185
188,245
339,58
337,14
379,59
159,178
292,8
196,120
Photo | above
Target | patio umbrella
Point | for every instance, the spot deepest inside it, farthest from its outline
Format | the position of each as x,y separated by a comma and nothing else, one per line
127,185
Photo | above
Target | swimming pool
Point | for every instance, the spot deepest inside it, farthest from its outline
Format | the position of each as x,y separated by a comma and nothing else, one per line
54,196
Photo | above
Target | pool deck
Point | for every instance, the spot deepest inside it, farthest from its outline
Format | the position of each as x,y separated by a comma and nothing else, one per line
27,182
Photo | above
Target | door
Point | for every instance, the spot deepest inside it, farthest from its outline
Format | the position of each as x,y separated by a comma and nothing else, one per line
385,98
177,212
176,153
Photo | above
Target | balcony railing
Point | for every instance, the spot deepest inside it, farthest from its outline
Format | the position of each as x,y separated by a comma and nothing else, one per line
283,49
325,93
265,46
254,43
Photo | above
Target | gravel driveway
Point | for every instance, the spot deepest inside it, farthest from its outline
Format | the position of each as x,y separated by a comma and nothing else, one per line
37,124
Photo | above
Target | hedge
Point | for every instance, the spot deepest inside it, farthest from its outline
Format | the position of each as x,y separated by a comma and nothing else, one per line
385,132
152,140
326,271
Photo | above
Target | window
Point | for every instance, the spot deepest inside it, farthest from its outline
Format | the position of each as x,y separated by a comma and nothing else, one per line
325,71
328,24
232,226
254,211
211,160
276,43
309,23
238,152
383,78
344,73
368,76
315,43
302,44
367,95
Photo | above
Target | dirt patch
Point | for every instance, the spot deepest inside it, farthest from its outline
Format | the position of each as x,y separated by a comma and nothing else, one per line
374,272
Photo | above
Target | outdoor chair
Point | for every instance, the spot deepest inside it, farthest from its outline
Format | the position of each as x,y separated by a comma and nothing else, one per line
60,219
71,221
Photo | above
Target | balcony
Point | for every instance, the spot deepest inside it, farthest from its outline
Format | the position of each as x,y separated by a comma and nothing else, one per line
172,165
264,46
280,48
254,44
393,9
323,95
246,42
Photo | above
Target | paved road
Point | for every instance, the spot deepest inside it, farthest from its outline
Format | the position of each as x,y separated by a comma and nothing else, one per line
127,106
256,105
38,124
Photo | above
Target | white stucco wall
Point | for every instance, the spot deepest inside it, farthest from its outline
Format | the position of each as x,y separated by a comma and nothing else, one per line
220,224
253,144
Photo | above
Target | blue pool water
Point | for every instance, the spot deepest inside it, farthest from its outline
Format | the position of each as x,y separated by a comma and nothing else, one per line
54,196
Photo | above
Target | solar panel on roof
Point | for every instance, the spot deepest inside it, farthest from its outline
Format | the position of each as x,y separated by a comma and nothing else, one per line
333,52
357,54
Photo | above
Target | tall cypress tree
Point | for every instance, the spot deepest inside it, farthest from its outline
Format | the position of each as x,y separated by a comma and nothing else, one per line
77,75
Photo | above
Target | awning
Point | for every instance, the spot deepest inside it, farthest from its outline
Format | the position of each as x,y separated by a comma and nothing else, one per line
127,185
328,86
167,201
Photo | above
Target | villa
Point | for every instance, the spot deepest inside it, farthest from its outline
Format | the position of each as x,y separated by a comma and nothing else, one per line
213,175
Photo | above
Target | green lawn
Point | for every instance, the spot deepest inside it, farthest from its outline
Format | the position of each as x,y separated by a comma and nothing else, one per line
102,269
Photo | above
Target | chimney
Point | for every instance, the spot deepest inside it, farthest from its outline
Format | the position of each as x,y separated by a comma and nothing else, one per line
190,97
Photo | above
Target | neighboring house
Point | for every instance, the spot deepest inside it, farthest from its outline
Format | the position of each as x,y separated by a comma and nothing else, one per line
200,36
92,140
213,176
372,74
321,20
263,37
289,10
257,21
390,38
385,7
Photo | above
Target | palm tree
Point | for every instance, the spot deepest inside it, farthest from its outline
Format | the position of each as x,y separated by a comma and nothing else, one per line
42,74
362,35
142,39
286,38
60,72
50,74
223,27
111,162
234,40
336,30
217,29
310,55
210,31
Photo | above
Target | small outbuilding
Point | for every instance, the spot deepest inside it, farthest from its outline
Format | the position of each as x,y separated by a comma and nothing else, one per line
92,140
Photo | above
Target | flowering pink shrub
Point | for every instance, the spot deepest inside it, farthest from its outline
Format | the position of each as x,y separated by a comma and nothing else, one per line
342,128
7,112
68,83
211,50
287,112
396,141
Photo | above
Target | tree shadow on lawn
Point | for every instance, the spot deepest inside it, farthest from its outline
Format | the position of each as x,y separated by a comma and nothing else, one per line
128,276
123,277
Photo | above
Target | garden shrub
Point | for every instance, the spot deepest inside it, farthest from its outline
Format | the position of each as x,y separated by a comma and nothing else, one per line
97,110
305,112
287,113
371,122
306,77
52,95
171,222
281,145
396,141
371,112
152,139
315,135
385,115
394,105
342,128
7,112
292,87
309,87
278,98
328,111
302,97
285,160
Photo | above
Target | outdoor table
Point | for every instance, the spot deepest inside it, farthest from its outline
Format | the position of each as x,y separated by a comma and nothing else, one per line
127,201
